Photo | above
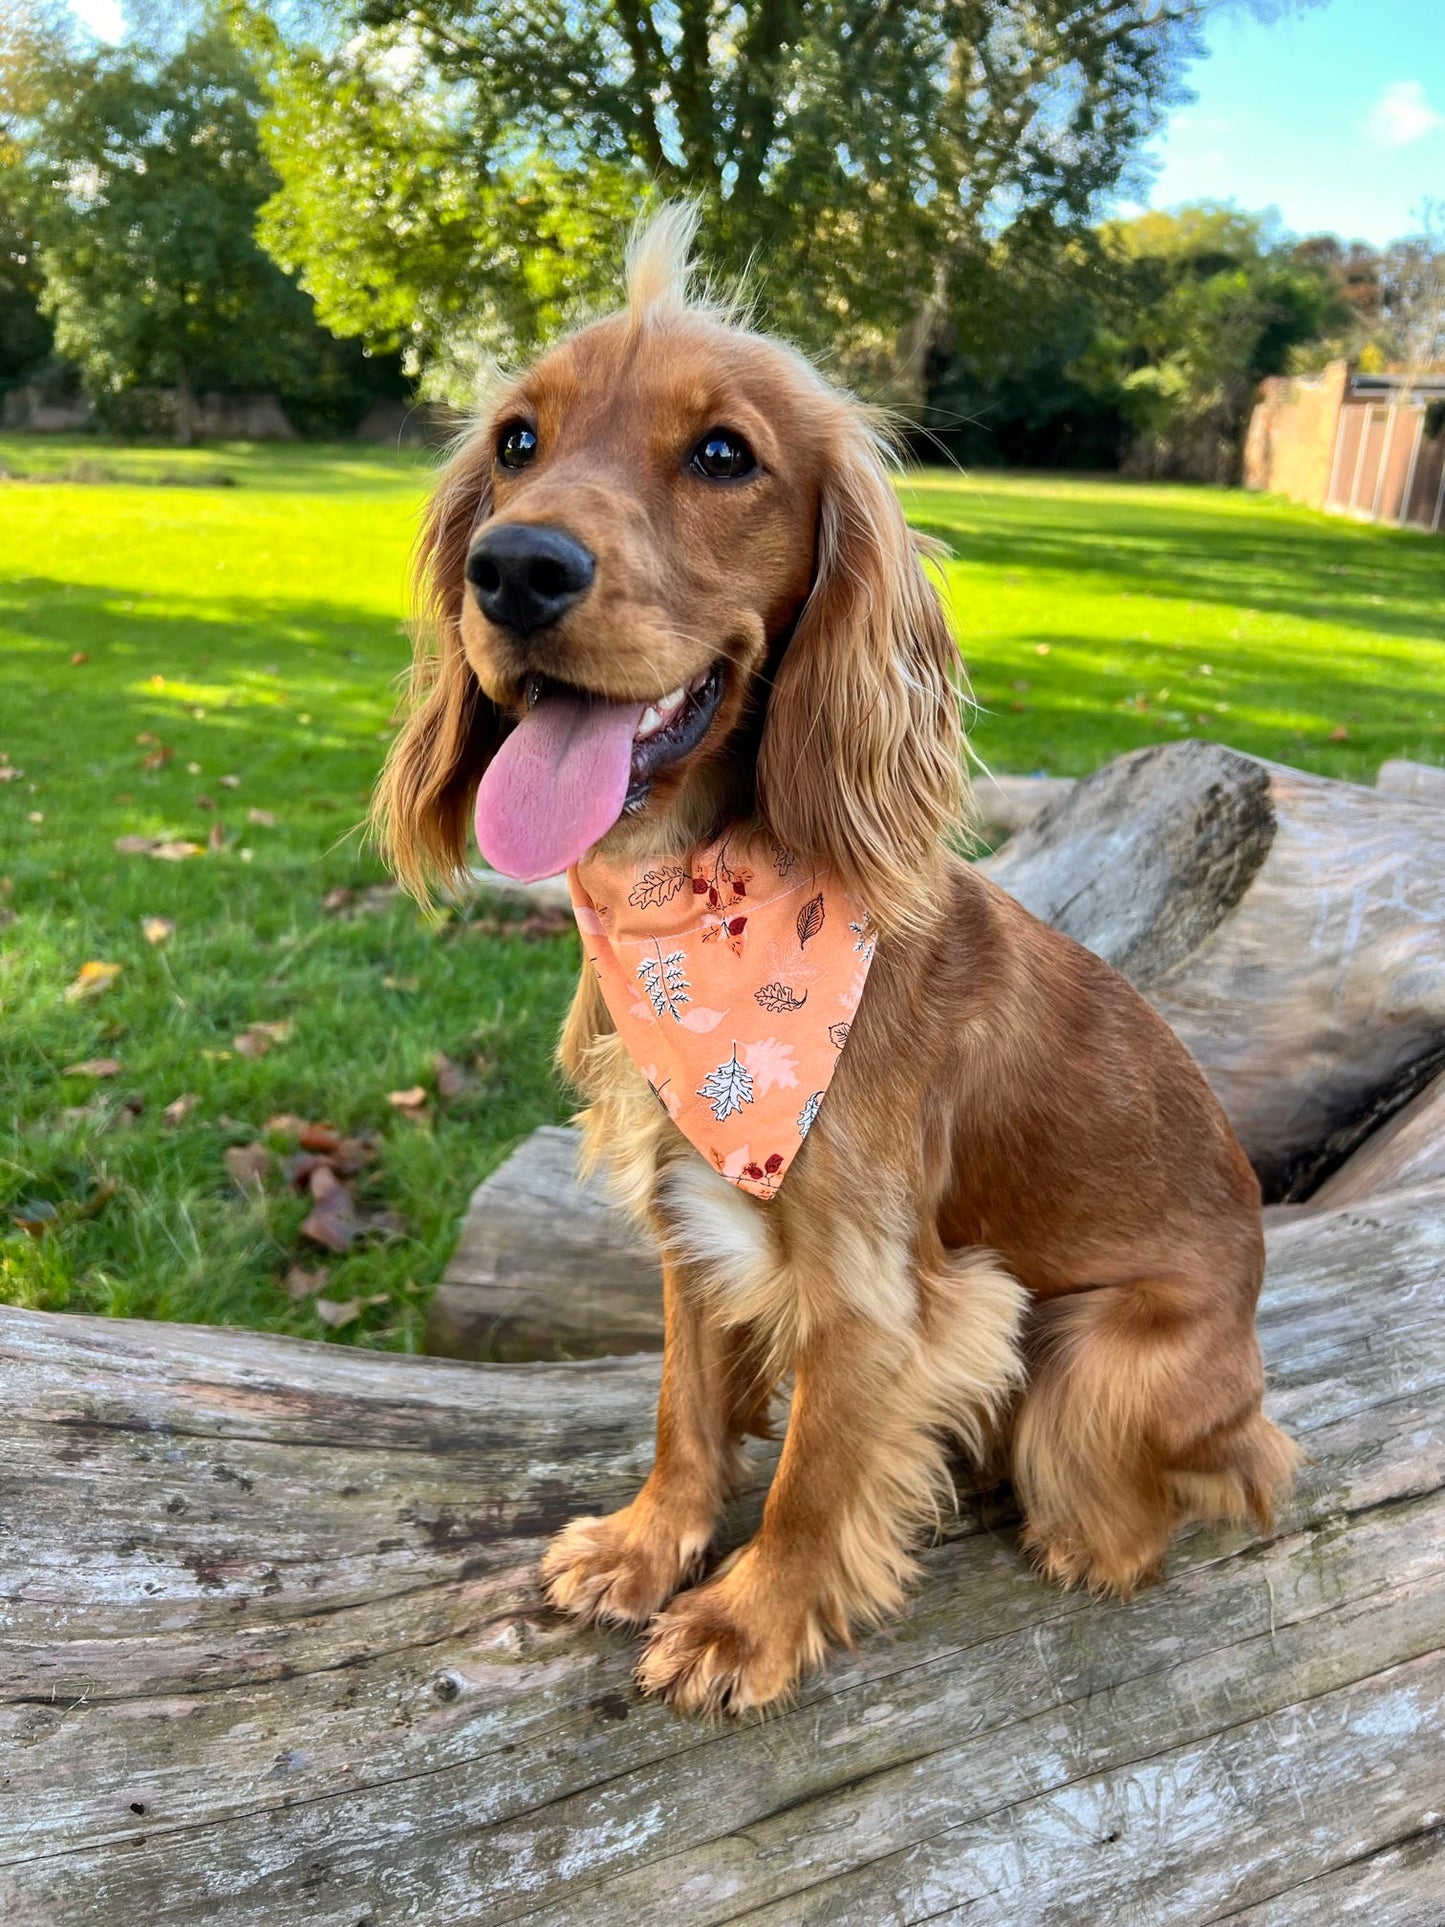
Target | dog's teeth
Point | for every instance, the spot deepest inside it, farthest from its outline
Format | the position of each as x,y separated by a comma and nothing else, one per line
673,701
651,722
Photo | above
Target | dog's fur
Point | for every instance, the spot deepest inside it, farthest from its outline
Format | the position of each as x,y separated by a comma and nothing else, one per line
1021,1220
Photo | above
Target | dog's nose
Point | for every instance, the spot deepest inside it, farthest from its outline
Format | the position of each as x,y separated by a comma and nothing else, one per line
526,576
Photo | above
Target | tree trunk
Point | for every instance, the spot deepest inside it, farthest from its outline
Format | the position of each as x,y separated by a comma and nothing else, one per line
1291,929
273,1654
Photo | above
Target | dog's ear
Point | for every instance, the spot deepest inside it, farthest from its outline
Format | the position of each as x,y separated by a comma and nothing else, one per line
861,762
421,810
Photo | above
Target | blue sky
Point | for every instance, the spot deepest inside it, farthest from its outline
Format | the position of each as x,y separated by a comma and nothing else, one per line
1335,117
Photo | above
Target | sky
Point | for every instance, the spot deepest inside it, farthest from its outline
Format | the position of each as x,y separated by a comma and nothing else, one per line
1336,117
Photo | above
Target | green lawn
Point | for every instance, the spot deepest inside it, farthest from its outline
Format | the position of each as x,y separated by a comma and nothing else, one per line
248,627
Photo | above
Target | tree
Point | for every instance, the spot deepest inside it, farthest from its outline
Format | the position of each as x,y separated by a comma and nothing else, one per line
1201,304
148,175
33,35
450,167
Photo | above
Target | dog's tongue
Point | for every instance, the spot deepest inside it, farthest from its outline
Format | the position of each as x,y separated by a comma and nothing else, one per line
556,785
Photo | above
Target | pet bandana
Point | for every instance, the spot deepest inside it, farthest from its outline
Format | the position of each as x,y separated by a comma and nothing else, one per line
732,980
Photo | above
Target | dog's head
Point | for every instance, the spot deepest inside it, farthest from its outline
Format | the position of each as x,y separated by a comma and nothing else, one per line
666,586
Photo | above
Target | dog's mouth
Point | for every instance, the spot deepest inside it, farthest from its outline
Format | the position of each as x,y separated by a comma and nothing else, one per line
575,762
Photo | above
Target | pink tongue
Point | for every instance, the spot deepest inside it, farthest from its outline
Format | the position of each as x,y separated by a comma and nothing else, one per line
556,785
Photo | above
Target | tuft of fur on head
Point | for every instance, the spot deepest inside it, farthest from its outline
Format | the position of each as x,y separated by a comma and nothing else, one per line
662,279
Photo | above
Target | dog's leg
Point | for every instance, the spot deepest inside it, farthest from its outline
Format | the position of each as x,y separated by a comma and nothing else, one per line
863,1468
623,1567
1142,1411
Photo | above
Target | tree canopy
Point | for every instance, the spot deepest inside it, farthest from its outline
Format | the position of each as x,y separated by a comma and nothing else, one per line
452,169
146,173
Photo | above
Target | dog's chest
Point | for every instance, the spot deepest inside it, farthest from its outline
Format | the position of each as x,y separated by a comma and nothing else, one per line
725,1238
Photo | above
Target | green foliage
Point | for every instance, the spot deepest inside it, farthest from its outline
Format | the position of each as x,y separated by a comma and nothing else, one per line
451,169
1143,340
148,173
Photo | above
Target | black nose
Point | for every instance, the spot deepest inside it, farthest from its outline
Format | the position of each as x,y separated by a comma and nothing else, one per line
526,576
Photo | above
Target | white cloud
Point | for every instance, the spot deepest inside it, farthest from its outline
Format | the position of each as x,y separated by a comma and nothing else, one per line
1402,115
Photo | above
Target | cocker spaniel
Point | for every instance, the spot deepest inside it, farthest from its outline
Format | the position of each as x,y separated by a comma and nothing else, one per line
898,1140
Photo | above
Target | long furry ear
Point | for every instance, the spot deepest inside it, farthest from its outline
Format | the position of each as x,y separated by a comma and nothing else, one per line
421,809
861,762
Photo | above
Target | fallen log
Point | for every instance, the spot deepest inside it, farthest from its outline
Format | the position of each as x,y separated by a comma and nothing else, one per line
1407,1152
272,1653
1290,929
546,1266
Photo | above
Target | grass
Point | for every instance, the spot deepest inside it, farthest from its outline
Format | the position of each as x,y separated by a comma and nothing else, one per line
250,627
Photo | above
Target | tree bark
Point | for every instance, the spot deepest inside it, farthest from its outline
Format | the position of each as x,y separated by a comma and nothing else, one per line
273,1653
1289,928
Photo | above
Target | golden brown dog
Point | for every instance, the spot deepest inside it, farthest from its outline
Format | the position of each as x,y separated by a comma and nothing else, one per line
1021,1220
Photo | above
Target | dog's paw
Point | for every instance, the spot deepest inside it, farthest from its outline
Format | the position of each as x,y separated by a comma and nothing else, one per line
715,1651
622,1568
1069,1563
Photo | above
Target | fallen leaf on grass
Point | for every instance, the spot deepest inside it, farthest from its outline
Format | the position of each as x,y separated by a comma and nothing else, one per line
168,849
93,1067
1339,734
401,983
9,773
34,1217
180,1108
408,1102
284,1124
80,656
346,1312
258,1039
263,818
158,929
157,758
92,980
332,1222
452,1079
247,1165
230,782
319,1137
300,1283
216,840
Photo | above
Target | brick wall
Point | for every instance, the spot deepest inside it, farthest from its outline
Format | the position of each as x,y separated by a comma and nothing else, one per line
1290,447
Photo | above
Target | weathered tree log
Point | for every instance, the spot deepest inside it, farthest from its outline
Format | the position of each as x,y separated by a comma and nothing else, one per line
1291,929
272,1653
1419,782
1404,1154
546,1267
1006,803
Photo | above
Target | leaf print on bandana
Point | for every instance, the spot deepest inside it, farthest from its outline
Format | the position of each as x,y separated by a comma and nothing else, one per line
808,1115
779,997
866,934
665,981
838,1033
772,1065
810,919
727,1088
657,887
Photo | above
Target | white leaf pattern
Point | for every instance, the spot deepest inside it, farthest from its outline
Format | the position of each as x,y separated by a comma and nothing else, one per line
727,1088
808,1115
665,981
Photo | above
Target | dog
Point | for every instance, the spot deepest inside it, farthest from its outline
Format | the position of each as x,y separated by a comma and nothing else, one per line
670,604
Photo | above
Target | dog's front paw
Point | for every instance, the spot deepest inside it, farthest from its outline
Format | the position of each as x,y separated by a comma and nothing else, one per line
729,1646
621,1568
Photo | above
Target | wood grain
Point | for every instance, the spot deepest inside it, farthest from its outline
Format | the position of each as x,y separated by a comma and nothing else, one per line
1289,928
272,1653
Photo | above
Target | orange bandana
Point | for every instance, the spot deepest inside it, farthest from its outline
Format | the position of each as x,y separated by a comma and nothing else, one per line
732,979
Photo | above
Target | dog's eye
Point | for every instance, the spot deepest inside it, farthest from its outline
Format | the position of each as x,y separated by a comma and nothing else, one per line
517,446
723,456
